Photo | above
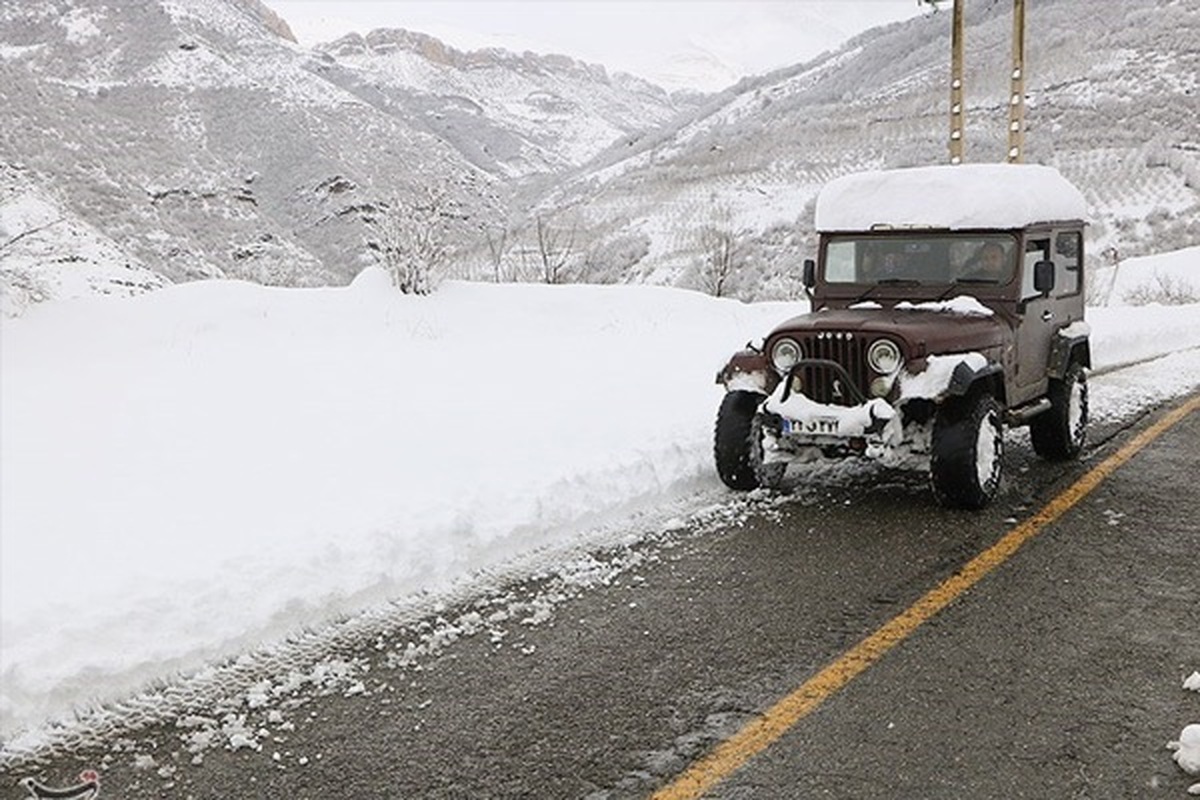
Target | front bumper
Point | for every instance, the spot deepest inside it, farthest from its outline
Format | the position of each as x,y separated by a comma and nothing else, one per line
797,420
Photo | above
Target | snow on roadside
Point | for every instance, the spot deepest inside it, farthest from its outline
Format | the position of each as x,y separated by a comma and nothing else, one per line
1186,749
230,462
1179,268
1127,335
236,464
1117,395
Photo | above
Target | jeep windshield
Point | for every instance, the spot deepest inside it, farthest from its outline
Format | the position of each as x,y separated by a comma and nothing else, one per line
920,259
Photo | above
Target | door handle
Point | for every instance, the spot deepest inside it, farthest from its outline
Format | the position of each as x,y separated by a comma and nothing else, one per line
1047,315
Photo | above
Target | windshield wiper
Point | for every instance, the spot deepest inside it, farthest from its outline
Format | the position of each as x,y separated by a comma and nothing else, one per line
960,281
885,282
865,294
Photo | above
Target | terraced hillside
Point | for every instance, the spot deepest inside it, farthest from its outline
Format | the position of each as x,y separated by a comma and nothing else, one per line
1112,102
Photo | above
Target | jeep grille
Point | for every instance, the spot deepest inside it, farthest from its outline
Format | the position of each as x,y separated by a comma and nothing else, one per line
821,383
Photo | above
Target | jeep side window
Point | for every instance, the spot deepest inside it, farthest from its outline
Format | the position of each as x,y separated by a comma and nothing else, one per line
1066,263
1035,250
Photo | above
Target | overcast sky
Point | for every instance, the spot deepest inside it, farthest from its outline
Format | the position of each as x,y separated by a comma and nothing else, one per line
704,44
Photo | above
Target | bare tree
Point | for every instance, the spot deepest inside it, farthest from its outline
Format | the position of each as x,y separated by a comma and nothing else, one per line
720,256
497,242
554,250
412,243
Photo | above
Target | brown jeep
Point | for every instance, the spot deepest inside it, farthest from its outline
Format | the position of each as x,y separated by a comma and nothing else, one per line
947,304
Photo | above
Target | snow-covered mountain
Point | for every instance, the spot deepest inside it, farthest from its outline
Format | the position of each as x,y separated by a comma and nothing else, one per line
1113,102
203,142
511,114
198,140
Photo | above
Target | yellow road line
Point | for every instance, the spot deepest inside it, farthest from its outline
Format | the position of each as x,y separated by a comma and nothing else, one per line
764,730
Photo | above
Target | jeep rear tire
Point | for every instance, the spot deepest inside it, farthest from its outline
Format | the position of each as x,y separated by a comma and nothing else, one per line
968,445
735,421
1058,434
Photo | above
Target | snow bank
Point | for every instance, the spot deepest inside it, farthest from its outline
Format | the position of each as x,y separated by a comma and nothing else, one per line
1125,335
191,472
1180,269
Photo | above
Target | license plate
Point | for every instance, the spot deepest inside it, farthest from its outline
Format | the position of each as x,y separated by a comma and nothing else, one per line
826,425
822,425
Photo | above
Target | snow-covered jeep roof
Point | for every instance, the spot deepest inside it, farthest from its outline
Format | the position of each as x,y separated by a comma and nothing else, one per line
953,197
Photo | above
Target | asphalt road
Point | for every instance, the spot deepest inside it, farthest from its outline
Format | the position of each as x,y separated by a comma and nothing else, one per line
1056,676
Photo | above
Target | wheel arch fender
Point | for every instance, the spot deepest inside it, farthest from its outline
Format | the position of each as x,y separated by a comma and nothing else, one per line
1067,349
967,380
748,370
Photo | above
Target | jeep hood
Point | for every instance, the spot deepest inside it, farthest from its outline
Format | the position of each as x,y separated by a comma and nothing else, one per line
925,331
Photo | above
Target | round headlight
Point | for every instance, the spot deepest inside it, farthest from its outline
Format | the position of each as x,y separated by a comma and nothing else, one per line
785,354
884,356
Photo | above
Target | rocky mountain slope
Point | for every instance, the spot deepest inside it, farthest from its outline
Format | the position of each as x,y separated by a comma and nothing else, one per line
49,251
203,142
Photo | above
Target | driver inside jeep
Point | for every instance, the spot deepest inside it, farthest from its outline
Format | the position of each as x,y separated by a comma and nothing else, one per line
989,264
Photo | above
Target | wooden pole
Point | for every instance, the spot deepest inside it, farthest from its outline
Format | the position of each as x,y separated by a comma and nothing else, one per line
957,108
1016,97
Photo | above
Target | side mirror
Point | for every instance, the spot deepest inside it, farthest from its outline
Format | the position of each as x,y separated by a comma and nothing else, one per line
1043,277
810,273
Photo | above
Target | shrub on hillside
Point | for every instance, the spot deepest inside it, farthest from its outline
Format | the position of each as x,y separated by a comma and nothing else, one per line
1165,290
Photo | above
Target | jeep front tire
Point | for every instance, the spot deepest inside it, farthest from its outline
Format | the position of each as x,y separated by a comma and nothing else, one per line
735,420
1059,432
968,446
768,474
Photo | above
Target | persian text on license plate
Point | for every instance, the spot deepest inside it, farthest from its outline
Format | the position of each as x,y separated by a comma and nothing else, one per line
814,425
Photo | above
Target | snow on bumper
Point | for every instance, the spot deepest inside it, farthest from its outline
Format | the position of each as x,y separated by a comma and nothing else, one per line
808,419
804,420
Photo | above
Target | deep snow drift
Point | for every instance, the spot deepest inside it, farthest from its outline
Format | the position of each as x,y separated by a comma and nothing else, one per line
206,468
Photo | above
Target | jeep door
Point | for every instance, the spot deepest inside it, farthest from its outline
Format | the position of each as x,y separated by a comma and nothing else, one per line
1042,316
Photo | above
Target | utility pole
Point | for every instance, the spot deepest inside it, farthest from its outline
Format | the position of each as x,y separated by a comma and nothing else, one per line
957,107
1016,95
1016,99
